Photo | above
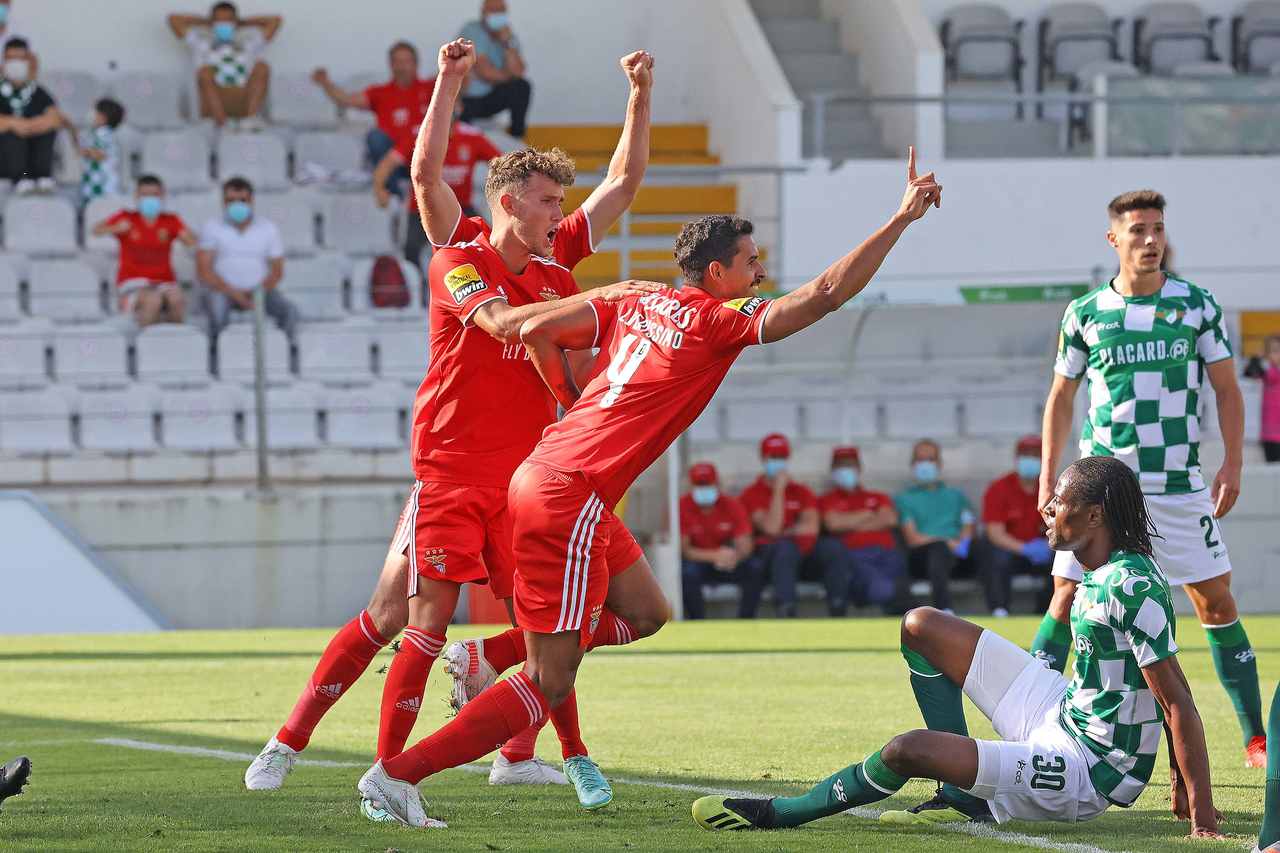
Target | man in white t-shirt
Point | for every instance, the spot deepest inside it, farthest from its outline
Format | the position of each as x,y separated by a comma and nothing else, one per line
238,254
227,52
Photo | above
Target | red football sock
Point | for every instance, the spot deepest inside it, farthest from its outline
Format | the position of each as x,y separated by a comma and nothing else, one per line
505,650
402,693
613,630
346,657
520,747
565,718
505,709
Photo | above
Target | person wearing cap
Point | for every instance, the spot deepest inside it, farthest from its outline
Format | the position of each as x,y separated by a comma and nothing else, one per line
1014,528
784,515
715,540
858,554
937,522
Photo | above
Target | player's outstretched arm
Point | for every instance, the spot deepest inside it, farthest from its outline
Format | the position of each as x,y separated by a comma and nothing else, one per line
617,191
846,278
437,205
505,322
1055,432
1226,485
1189,756
549,336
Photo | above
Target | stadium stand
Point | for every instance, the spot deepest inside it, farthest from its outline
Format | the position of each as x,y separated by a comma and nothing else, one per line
152,101
315,285
294,214
1255,37
354,224
292,422
23,353
180,158
260,158
64,290
202,418
10,292
235,354
172,353
118,418
331,150
74,92
296,102
40,225
335,352
365,417
35,421
85,354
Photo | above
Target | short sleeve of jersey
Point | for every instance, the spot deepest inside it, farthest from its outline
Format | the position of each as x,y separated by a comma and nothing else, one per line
1212,343
117,217
1073,353
177,223
574,239
467,229
606,313
1145,618
904,509
457,284
737,323
209,236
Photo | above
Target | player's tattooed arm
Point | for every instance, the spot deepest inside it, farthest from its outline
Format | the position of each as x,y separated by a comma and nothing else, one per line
847,277
1059,409
617,191
548,336
1226,485
437,205
1188,754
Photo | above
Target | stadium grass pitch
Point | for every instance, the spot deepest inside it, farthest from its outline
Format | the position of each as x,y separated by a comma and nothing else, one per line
765,706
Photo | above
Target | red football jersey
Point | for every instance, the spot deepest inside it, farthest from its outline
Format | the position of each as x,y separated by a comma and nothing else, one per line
572,244
716,525
482,405
796,500
145,247
467,147
662,357
1006,502
838,500
400,111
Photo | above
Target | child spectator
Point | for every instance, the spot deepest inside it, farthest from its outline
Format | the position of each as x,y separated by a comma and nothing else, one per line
100,174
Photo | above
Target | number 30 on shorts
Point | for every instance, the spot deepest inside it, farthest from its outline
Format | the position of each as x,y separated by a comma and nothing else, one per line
1048,775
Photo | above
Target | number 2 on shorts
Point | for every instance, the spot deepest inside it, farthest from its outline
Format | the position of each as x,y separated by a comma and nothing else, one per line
623,366
1206,521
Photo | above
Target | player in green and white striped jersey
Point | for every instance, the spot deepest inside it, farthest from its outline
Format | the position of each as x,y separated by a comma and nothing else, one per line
1148,342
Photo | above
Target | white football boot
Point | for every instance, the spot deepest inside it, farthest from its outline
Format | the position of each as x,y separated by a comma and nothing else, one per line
268,770
400,800
471,673
535,771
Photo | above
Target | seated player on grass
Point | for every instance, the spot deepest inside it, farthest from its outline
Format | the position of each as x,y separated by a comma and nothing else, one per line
1068,751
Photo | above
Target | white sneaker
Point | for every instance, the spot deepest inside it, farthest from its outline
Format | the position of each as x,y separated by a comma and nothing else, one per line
25,186
268,770
471,673
1000,613
535,771
46,185
252,124
399,799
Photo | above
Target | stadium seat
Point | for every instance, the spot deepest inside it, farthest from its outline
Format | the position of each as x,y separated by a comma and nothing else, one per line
705,429
292,417
1167,34
354,224
95,211
981,42
404,350
314,284
841,419
1255,37
201,418
22,353
362,269
64,290
828,341
921,417
179,158
35,421
118,419
1071,35
172,353
295,216
1202,69
10,292
75,92
997,415
40,225
260,158
235,354
151,99
90,353
334,151
295,101
749,420
366,417
196,209
335,352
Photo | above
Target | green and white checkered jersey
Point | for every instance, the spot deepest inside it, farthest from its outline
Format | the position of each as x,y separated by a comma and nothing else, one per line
1145,357
1121,621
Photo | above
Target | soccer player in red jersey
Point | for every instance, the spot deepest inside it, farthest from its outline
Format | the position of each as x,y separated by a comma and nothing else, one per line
662,357
478,413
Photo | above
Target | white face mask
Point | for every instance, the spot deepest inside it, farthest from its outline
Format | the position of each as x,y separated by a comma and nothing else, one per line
17,70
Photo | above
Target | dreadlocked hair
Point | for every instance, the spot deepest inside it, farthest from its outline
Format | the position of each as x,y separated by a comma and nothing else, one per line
1109,483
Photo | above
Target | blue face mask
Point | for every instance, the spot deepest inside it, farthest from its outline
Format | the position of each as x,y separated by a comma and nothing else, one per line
497,20
150,206
238,212
705,496
774,467
224,31
845,478
1028,467
925,471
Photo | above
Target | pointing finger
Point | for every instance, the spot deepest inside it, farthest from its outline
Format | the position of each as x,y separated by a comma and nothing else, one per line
911,162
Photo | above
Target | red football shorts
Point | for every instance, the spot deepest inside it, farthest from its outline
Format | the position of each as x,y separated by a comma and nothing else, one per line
460,534
623,550
561,533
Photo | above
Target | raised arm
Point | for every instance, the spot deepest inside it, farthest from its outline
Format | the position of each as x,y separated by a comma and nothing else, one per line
437,205
617,191
1055,432
269,24
182,24
1188,754
846,278
353,100
572,326
1226,485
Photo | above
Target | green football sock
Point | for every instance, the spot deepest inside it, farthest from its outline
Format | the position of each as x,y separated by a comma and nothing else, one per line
856,785
1270,832
1237,668
1052,643
941,705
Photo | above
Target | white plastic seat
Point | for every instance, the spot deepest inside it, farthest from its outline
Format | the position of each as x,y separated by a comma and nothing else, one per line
1072,34
292,417
196,208
1256,36
314,284
200,418
179,158
981,42
40,225
1202,70
294,100
64,290
96,352
10,292
152,100
404,350
259,158
750,420
118,419
335,352
235,353
928,417
361,271
334,151
35,421
22,353
293,214
1168,34
172,352
840,419
98,209
75,92
1001,415
354,224
366,417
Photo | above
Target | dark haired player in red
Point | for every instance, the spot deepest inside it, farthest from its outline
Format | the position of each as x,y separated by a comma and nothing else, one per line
662,357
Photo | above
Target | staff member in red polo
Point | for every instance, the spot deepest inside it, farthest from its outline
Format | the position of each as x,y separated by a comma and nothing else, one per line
1014,527
715,539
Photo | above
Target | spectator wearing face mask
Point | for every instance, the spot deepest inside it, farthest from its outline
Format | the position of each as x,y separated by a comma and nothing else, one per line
1014,528
715,539
497,82
227,51
937,523
29,122
784,516
858,555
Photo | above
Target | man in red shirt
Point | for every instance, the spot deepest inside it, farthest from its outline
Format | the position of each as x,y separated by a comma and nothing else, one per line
859,556
1014,528
663,355
145,283
784,516
715,539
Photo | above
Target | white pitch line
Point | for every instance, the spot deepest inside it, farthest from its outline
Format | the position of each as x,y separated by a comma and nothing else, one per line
975,829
